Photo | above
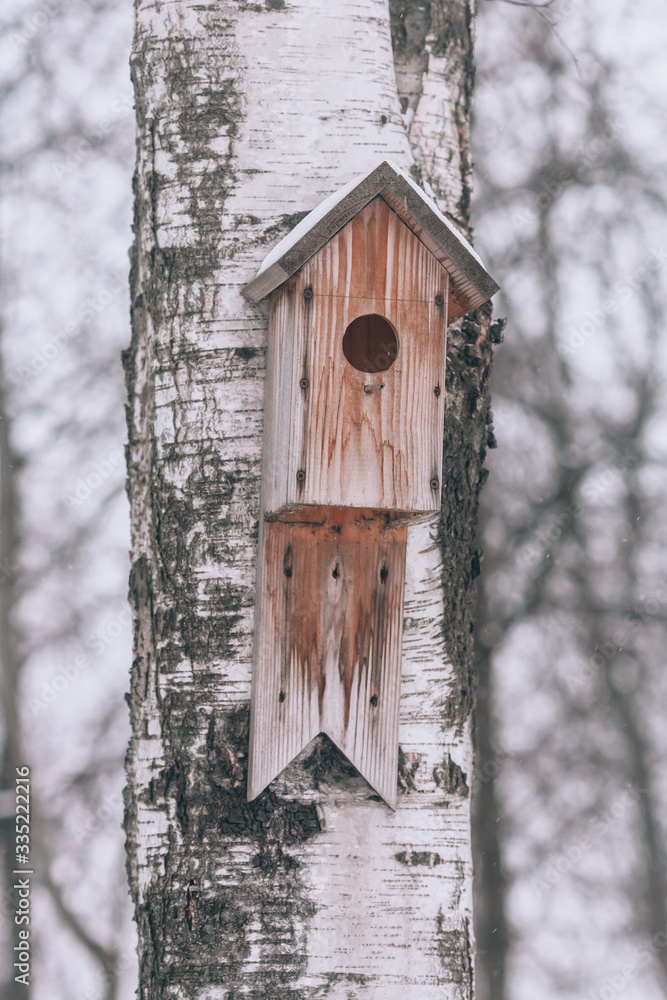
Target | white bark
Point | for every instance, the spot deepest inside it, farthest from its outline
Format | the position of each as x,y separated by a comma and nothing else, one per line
248,116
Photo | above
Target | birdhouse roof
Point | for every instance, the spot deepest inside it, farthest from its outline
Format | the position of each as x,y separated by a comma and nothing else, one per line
470,282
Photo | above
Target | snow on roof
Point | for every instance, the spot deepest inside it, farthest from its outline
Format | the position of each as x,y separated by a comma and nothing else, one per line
471,283
308,223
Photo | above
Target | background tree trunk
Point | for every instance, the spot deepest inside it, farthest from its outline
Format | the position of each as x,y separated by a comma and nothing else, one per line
11,751
248,116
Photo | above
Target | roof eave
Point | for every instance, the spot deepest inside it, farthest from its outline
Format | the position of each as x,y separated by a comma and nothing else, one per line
472,284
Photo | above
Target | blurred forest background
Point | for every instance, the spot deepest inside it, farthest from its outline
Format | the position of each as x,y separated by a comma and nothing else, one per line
570,795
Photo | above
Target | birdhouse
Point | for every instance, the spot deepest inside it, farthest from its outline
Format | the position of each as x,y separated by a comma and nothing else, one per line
360,295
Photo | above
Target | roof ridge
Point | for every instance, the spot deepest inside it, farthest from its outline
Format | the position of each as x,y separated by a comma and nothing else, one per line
471,283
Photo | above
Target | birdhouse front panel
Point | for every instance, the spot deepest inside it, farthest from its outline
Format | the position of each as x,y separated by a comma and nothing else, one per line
355,401
328,650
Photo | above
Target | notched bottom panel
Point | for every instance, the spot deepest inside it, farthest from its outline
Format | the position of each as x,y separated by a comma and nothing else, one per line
328,642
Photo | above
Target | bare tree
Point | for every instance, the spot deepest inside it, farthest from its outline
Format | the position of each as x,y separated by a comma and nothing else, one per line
66,135
571,838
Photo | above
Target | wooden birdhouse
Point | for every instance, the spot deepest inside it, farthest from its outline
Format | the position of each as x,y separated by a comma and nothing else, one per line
361,292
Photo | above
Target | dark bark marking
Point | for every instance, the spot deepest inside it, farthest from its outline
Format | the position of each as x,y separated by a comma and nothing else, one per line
451,778
188,911
280,228
410,24
407,769
455,954
328,765
418,858
140,596
464,452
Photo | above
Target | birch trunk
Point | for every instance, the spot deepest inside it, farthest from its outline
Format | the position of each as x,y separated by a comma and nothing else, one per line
248,116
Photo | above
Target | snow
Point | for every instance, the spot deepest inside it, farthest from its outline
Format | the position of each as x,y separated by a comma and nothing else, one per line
311,220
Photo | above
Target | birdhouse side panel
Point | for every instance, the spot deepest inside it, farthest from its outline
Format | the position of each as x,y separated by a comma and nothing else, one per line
368,429
281,397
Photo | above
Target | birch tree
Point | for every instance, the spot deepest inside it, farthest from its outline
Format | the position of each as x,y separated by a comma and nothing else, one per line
248,115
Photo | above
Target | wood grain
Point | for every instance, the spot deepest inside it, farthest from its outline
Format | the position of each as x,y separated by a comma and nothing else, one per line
348,454
327,441
328,642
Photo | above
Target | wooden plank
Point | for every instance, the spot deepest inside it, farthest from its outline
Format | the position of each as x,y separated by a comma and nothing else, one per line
349,446
282,389
328,642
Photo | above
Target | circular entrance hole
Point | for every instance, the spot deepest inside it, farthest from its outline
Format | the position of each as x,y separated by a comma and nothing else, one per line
370,343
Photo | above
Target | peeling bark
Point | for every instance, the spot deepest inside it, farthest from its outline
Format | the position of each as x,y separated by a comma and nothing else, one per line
247,116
